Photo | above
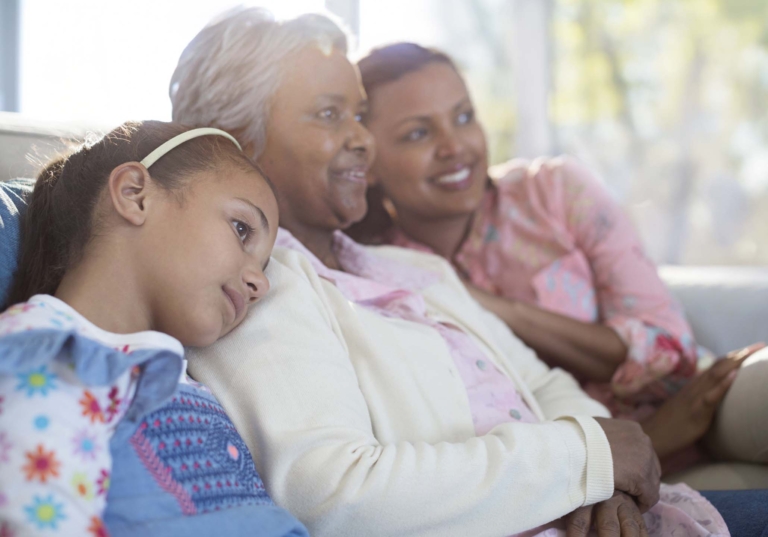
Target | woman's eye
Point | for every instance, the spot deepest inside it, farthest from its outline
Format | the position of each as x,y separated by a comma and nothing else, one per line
360,117
416,134
242,229
328,114
465,118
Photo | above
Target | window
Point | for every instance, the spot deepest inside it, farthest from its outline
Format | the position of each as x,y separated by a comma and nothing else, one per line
108,62
667,100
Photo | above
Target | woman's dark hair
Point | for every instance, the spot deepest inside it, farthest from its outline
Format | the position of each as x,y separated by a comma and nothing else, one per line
60,218
382,66
389,63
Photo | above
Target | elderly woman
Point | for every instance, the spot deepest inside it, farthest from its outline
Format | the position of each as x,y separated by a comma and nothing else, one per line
376,396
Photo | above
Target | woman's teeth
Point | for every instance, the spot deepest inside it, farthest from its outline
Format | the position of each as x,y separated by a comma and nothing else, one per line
356,176
455,177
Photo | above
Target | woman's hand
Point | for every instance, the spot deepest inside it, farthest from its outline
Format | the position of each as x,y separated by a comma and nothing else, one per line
636,468
686,417
618,516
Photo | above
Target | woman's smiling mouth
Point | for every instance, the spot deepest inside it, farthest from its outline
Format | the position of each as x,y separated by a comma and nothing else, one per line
460,179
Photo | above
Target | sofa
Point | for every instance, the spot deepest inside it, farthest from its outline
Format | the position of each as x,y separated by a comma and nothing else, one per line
727,306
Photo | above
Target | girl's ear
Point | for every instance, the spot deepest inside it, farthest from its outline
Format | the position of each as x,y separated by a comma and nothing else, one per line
129,186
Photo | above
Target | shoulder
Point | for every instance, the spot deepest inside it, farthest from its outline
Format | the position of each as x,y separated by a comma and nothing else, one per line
298,301
557,186
288,263
542,172
416,259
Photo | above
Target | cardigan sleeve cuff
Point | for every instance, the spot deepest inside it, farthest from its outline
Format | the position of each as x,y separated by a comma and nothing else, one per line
594,464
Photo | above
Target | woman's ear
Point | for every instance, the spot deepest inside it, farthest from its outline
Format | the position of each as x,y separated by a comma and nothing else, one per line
129,186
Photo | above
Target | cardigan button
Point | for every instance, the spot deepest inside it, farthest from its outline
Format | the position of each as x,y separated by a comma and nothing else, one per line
515,414
481,365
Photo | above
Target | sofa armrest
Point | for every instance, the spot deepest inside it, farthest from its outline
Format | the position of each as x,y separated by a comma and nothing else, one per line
727,307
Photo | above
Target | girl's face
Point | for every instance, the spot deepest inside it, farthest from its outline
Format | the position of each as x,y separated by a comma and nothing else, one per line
204,254
317,151
431,158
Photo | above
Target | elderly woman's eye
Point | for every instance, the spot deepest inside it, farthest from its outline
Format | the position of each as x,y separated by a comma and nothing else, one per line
465,117
328,114
242,229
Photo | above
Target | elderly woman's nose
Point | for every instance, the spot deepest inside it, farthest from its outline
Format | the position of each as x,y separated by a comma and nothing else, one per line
360,139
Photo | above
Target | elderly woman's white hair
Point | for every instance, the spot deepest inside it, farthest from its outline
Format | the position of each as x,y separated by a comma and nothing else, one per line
228,73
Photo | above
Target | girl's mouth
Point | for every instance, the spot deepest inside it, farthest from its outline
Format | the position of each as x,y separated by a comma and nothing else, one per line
237,301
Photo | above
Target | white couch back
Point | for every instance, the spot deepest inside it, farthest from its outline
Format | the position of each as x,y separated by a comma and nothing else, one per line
27,144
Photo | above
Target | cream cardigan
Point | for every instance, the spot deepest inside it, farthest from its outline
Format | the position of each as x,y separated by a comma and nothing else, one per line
360,425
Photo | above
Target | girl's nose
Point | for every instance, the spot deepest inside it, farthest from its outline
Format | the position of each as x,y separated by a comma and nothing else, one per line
257,284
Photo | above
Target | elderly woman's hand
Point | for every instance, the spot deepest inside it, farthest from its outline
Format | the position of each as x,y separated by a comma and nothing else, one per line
618,516
636,468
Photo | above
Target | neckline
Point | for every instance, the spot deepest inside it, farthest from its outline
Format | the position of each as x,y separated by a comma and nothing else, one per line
146,338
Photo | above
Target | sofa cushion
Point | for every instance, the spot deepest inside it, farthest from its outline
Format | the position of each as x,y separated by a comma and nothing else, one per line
727,307
13,202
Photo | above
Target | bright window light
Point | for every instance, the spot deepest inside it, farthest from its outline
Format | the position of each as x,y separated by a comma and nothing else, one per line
107,62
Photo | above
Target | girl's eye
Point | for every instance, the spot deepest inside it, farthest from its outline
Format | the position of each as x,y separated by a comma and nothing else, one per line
416,134
465,117
242,229
330,114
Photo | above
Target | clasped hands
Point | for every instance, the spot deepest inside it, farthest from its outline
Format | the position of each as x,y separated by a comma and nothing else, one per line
637,477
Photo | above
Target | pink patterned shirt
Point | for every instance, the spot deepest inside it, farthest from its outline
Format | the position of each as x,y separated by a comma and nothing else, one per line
549,234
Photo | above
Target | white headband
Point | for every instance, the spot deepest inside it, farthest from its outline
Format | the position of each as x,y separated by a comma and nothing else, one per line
176,141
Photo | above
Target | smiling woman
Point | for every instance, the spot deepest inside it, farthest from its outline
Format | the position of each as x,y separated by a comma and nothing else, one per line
413,120
316,150
308,136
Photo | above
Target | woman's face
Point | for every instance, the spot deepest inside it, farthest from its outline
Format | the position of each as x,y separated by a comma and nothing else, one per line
317,152
431,158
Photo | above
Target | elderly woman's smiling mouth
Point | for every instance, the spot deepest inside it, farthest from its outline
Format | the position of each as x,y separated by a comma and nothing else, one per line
355,174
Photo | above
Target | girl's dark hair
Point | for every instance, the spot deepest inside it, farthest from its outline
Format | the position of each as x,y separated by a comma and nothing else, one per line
60,219
382,66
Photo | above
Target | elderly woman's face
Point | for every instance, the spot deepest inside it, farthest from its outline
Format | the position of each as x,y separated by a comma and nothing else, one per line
317,151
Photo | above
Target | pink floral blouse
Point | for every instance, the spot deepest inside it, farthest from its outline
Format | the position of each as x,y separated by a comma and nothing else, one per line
549,234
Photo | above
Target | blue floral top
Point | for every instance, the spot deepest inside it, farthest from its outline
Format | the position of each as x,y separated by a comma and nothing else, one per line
98,436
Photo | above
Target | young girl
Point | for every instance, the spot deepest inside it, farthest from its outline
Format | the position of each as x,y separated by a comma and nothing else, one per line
150,239
545,248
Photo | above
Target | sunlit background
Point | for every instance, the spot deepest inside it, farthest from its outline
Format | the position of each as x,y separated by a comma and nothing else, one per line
666,99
